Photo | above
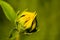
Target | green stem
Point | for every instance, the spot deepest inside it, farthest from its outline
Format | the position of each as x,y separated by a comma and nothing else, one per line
17,36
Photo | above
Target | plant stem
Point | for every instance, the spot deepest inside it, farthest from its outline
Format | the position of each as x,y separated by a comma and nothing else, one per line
17,36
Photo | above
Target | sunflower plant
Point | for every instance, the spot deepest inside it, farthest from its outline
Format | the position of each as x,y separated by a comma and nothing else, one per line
25,21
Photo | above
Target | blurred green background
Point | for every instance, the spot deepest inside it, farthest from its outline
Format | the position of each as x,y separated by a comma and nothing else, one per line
48,18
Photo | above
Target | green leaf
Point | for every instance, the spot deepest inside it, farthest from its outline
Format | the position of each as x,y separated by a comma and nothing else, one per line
8,11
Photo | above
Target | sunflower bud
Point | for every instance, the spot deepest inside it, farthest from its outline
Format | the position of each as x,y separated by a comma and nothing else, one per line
26,20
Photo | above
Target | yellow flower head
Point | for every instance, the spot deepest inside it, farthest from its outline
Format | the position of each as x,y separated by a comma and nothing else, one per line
26,19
